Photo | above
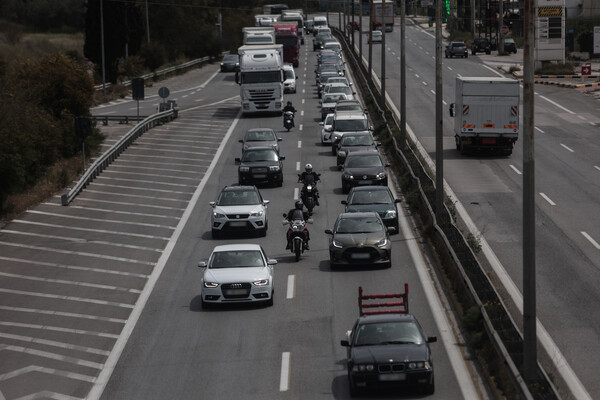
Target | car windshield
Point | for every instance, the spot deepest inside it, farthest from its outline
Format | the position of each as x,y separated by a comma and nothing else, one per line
238,198
383,333
348,107
370,197
328,67
237,259
334,79
349,125
358,225
259,155
289,74
260,136
357,140
333,98
340,89
329,119
363,161
230,59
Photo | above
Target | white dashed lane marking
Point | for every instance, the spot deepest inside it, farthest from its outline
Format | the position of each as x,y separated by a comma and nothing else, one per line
548,199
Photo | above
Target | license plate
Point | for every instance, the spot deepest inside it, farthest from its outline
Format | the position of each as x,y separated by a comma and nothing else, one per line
366,182
235,292
392,377
260,176
488,140
360,256
237,224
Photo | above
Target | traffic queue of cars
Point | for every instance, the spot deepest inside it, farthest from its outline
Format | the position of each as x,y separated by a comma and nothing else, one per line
360,235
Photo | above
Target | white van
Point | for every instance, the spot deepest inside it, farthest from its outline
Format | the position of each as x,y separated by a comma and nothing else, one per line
289,76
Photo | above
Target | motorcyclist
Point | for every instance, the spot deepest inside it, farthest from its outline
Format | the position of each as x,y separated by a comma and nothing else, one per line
309,173
289,107
297,213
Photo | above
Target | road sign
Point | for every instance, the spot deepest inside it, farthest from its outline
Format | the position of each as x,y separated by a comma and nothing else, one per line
163,92
504,29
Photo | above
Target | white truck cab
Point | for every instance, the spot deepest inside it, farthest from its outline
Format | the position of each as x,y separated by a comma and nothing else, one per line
261,78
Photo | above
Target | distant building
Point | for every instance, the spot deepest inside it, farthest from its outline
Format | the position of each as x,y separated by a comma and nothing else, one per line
582,8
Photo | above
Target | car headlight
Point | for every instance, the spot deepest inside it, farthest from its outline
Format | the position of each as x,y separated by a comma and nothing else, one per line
363,368
274,168
383,242
218,215
342,153
244,169
419,365
337,136
257,213
347,177
292,84
390,214
262,282
222,64
381,175
210,284
337,244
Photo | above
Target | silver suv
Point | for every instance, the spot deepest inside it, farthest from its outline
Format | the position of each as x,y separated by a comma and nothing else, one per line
239,208
346,122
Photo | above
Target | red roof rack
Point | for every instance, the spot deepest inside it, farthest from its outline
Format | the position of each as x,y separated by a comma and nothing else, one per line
401,307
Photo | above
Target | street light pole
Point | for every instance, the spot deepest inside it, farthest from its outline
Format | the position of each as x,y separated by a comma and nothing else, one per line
439,117
102,46
402,73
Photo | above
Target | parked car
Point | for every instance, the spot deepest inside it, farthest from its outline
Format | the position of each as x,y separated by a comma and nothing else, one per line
230,63
239,208
260,165
260,137
351,142
457,49
237,273
389,351
374,198
289,84
481,45
510,46
359,239
376,37
363,168
326,130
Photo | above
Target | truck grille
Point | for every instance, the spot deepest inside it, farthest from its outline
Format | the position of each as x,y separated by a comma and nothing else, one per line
262,95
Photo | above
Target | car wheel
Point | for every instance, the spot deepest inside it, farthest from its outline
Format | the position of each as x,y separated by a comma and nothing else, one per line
429,388
345,189
354,390
466,55
216,234
269,303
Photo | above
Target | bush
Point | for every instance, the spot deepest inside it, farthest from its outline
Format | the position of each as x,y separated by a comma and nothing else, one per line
154,55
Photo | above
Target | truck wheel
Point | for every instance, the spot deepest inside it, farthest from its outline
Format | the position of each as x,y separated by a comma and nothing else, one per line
463,150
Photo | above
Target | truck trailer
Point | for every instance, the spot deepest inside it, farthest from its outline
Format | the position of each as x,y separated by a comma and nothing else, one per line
261,78
486,114
294,16
383,18
286,33
258,35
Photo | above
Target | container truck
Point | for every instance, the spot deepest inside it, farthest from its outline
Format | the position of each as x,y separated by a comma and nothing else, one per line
261,78
486,114
259,35
380,18
286,33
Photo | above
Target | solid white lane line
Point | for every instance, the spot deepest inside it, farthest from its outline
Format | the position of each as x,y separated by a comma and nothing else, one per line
59,329
538,129
51,356
493,70
597,167
284,382
63,314
557,105
299,143
300,127
124,203
291,286
547,199
515,169
568,148
89,229
67,298
54,343
297,165
581,117
67,282
296,193
592,241
73,267
110,221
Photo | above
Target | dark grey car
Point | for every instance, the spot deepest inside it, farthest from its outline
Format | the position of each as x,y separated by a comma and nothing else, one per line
351,142
258,137
260,165
363,168
359,239
230,63
457,49
375,198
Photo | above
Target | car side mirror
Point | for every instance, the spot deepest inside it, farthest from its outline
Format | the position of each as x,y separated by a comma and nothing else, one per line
345,343
237,159
240,141
377,144
296,77
452,109
212,204
282,157
271,261
371,128
202,264
397,200
431,339
345,202
279,139
386,165
321,123
328,231
266,202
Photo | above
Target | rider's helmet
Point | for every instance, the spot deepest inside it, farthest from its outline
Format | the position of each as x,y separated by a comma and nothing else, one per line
308,168
299,205
289,103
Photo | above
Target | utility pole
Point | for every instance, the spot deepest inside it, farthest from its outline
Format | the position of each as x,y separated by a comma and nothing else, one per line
360,34
472,18
402,74
383,15
439,117
147,22
370,39
102,45
501,23
529,293
353,25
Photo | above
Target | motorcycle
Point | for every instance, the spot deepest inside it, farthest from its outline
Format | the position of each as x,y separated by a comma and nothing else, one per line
288,120
298,237
308,192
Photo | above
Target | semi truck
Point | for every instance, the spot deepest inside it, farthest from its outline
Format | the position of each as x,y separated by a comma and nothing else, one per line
259,35
294,16
265,19
486,114
286,34
261,78
381,18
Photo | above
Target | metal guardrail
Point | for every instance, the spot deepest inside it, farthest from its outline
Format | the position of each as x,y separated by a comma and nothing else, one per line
501,329
123,119
111,154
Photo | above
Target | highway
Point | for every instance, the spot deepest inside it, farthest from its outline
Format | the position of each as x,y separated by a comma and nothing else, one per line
490,190
100,299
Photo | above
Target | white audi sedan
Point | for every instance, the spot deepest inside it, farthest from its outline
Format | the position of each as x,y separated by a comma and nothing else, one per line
237,273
